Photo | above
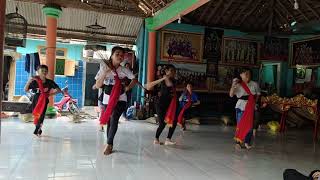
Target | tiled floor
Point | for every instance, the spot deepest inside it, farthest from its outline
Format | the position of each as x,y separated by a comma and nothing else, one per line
74,151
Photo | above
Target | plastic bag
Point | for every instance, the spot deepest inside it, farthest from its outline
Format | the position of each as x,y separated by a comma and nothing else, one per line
274,126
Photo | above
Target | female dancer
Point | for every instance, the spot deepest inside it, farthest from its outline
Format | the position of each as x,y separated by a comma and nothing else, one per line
167,105
247,92
188,100
43,88
110,77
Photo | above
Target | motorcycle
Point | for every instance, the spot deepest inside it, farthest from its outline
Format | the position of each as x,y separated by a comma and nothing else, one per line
67,101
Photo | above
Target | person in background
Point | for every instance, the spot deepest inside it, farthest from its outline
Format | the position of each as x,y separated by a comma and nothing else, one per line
292,174
188,101
247,92
42,89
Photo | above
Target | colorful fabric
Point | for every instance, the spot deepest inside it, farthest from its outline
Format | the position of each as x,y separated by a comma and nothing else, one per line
245,124
184,108
171,112
185,98
40,107
113,100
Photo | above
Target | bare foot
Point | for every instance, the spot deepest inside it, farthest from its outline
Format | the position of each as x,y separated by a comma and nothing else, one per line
169,142
156,141
247,146
238,146
108,150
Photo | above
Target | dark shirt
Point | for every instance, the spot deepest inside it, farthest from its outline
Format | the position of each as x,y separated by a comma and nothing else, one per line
48,85
166,93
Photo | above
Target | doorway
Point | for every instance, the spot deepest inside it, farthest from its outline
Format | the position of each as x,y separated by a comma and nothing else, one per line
91,96
271,74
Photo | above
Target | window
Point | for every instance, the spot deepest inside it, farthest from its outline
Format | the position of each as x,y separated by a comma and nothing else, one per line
60,52
61,61
60,66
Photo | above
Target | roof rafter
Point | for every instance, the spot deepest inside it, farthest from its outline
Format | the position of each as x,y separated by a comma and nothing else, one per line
216,20
311,9
250,12
249,2
304,16
214,11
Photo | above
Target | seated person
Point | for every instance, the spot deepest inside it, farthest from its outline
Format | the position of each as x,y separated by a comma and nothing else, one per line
187,95
292,174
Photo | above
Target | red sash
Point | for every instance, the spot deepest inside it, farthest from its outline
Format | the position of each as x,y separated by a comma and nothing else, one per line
185,107
171,112
113,100
41,103
246,121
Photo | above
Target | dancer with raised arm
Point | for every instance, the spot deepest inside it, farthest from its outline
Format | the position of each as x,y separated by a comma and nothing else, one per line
247,92
167,105
110,77
42,89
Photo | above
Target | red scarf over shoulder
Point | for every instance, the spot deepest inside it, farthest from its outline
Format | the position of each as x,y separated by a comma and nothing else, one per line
42,100
185,107
113,100
246,121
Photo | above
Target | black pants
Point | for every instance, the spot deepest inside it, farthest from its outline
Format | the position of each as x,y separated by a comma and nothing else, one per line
43,114
292,174
114,120
161,112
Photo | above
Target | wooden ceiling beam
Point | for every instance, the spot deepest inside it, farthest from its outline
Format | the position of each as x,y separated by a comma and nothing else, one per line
214,11
304,16
156,3
254,7
266,22
76,35
283,19
106,9
216,20
83,32
311,9
205,11
137,5
162,3
249,2
263,18
284,8
272,17
150,5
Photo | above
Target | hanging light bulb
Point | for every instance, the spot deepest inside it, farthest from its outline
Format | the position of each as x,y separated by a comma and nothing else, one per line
179,20
296,5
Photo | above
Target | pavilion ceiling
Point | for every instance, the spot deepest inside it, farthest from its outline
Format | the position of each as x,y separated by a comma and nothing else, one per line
138,8
122,18
257,15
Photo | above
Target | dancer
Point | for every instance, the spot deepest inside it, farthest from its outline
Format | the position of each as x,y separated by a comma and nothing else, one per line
43,88
110,77
247,92
188,100
167,106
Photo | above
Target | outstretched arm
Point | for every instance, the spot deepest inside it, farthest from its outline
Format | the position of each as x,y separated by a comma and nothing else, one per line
150,85
131,85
